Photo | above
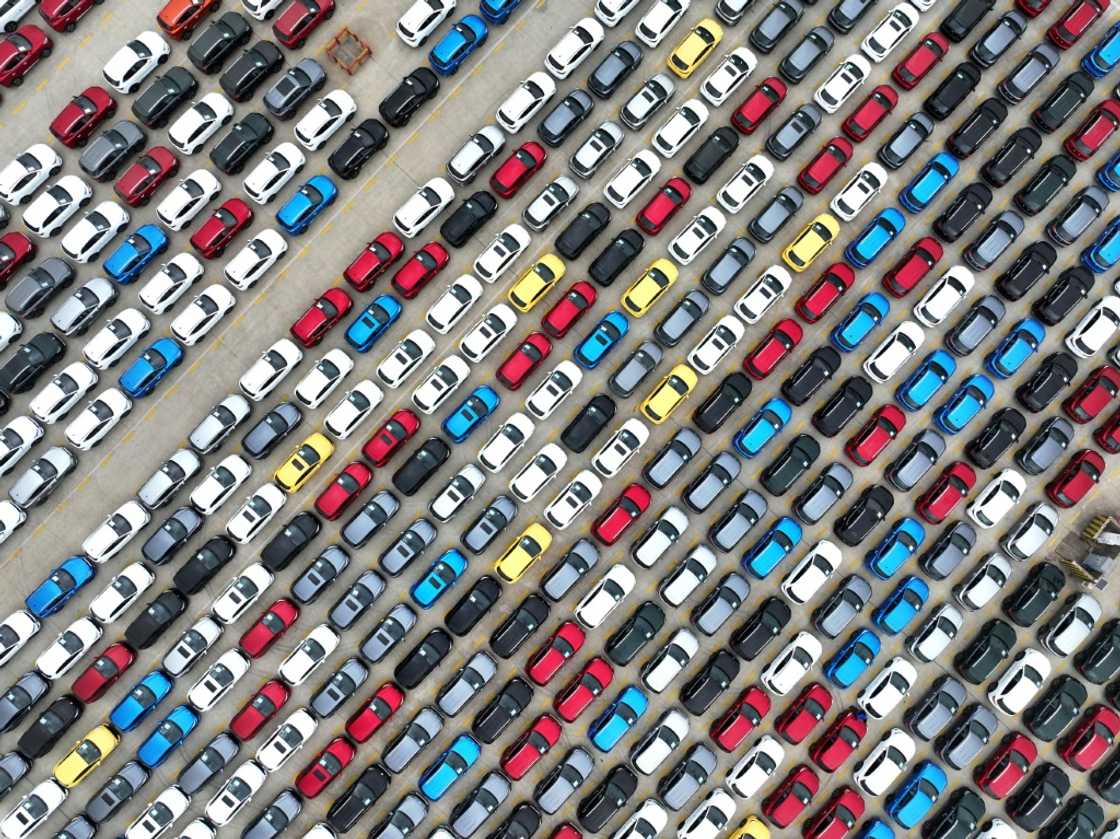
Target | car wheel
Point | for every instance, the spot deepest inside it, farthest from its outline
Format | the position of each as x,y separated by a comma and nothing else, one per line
70,27
161,60
17,81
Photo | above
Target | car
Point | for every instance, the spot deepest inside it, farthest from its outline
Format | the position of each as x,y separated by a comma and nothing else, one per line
1020,682
984,582
1077,478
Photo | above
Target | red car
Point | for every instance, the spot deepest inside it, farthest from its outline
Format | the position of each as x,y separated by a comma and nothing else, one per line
869,113
574,698
15,250
839,741
767,353
546,662
218,231
63,15
364,722
566,831
822,295
743,717
333,501
103,673
1093,735
1006,766
923,58
388,439
762,101
798,720
374,260
327,766
314,324
785,804
142,178
567,311
1095,131
516,169
1075,22
1032,8
266,631
837,817
664,205
617,518
870,441
1094,395
179,18
420,269
1108,435
1081,474
81,115
818,172
949,490
521,363
20,51
923,255
299,19
256,713
524,752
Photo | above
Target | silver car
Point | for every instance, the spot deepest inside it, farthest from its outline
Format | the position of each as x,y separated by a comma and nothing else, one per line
465,685
415,737
687,777
339,688
716,477
39,480
672,458
489,524
409,545
594,151
470,813
81,308
356,601
402,819
721,603
217,425
387,634
635,369
368,521
169,478
562,782
572,567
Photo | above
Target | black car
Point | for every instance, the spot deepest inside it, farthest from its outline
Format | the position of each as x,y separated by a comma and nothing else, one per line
976,128
583,230
1041,587
975,325
841,408
422,659
760,628
164,96
244,76
790,465
24,367
204,565
507,705
958,817
1032,68
276,817
473,606
1058,706
588,423
711,154
616,257
775,25
638,629
49,727
844,16
1043,187
732,391
1049,379
214,44
286,545
1081,818
1065,294
415,89
954,89
963,18
176,531
522,822
1031,265
906,140
1017,151
147,627
946,554
28,296
363,142
776,214
1038,797
421,465
564,118
116,792
1099,660
607,800
1056,109
799,61
245,138
793,131
208,763
842,606
1105,780
872,506
614,69
525,619
989,648
108,151
819,368
962,212
468,218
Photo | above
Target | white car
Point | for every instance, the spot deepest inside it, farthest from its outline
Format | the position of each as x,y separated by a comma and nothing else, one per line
842,83
644,823
189,197
805,579
159,815
479,149
274,172
659,20
573,499
506,442
484,336
501,253
90,235
462,487
354,409
557,386
112,536
936,633
894,351
11,519
1072,625
320,381
257,511
1020,682
549,203
421,209
887,688
98,418
324,119
62,393
47,214
621,446
202,314
770,287
192,645
611,12
859,192
33,809
212,430
890,32
255,258
443,381
999,829
984,582
659,742
220,483
688,575
127,68
525,102
593,152
535,475
421,19
408,355
944,296
170,283
710,816
11,327
695,236
884,764
123,590
634,176
218,680
16,439
1031,532
12,11
116,338
650,98
241,593
660,536
261,9
791,665
1096,328
745,184
270,369
200,122
15,631
605,596
732,70
288,738
756,767
234,794
27,172
63,653
311,652
680,128
670,660
997,498
455,302
574,46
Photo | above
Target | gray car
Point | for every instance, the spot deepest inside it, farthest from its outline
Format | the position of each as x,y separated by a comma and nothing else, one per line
103,157
968,737
339,688
709,484
78,827
402,820
635,369
682,318
224,417
388,633
561,783
672,458
412,740
28,296
465,685
276,817
409,545
13,766
975,325
489,524
684,780
294,87
1046,446
39,480
572,567
842,606
470,813
357,600
319,574
993,242
929,716
651,98
78,311
116,792
737,520
208,764
370,518
176,529
720,604
823,493
944,556
906,470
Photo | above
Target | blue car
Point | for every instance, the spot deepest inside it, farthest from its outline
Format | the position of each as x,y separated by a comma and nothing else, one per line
901,606
775,545
141,376
498,11
929,182
1108,175
875,829
373,322
129,259
860,322
1104,253
874,238
449,53
168,737
901,542
1018,345
1105,55
603,338
444,571
965,404
297,213
851,661
621,716
924,383
914,799
460,756
471,413
763,427
63,583
141,701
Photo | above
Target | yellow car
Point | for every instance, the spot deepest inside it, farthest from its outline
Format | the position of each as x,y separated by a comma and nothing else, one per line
537,282
696,46
303,462
523,552
669,393
86,756
752,828
649,287
811,242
